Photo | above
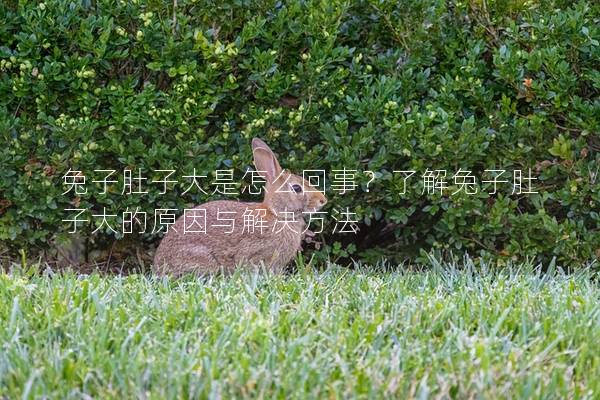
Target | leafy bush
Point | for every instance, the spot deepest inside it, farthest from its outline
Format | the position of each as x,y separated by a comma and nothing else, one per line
367,85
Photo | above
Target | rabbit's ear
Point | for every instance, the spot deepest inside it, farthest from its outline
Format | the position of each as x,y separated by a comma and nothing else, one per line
265,161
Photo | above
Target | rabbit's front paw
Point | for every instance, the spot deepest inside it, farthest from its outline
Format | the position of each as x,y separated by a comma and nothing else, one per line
308,237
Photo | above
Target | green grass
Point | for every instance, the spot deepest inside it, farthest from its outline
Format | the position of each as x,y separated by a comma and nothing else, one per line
444,332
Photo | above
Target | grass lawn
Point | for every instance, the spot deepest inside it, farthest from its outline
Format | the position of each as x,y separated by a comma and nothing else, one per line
442,332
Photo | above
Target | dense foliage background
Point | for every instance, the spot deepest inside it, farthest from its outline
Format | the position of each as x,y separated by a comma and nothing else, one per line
366,85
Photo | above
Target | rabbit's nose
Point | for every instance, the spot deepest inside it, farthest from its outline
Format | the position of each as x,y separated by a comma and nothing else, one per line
322,202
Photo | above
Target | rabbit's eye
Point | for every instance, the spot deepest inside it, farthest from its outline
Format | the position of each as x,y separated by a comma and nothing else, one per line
297,188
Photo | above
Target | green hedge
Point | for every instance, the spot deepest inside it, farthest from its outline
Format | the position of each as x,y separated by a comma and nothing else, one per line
366,85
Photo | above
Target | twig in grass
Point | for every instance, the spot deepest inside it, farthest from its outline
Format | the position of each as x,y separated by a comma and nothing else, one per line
110,255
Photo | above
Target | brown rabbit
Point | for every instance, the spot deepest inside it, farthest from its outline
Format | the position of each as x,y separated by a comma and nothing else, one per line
271,241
